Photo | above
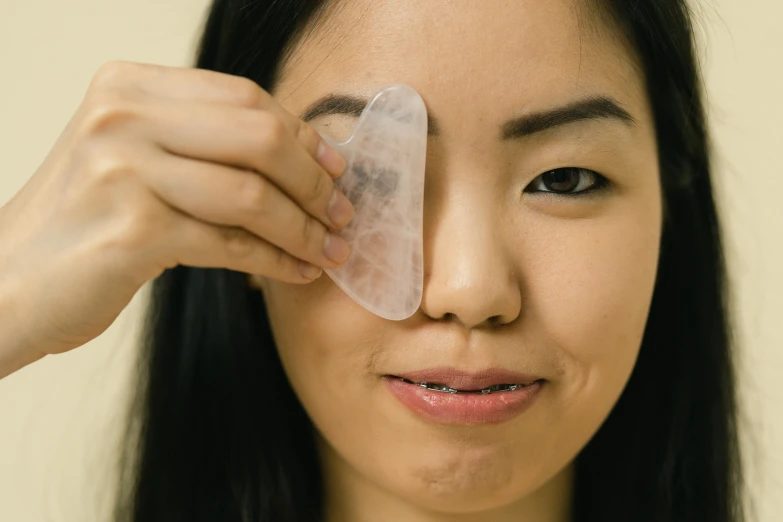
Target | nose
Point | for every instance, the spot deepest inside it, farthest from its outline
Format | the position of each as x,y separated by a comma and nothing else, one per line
469,270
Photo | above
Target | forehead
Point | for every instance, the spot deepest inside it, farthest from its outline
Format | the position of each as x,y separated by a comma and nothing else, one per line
491,56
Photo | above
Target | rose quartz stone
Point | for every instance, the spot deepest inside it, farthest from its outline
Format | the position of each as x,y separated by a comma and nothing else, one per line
384,179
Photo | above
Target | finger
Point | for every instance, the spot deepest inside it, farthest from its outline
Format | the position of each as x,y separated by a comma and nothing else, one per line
227,196
250,139
183,83
191,84
202,245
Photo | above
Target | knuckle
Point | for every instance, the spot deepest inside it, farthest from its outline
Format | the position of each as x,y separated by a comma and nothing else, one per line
311,234
136,233
105,110
112,73
247,92
107,163
320,188
239,243
272,134
253,195
140,224
308,137
283,262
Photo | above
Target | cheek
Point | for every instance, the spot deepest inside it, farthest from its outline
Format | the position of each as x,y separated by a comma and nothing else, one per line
326,344
593,299
590,285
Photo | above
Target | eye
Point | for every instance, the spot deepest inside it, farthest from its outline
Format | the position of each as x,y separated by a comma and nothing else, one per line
569,181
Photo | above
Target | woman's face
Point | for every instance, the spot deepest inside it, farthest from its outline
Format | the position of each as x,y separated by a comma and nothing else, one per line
517,274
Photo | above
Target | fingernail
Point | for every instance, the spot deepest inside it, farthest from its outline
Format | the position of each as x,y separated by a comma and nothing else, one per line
309,271
340,209
330,159
336,248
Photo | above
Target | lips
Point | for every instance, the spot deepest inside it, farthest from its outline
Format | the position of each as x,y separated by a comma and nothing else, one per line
467,381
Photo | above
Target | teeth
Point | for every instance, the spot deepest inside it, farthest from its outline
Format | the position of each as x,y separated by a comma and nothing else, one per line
445,389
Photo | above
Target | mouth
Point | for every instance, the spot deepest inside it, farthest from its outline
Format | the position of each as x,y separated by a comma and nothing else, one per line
493,388
450,396
452,380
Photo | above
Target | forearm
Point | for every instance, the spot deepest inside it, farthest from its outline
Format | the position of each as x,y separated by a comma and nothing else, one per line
13,360
16,351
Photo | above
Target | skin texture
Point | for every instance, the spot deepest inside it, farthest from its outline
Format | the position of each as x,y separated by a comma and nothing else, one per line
568,280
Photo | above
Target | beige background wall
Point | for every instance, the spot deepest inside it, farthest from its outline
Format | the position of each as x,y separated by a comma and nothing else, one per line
59,417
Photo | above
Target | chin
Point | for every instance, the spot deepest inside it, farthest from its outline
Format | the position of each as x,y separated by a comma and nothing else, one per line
459,478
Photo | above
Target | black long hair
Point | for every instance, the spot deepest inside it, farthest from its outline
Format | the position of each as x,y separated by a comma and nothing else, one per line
216,432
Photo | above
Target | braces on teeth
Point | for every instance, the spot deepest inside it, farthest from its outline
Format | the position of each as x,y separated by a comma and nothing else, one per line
442,388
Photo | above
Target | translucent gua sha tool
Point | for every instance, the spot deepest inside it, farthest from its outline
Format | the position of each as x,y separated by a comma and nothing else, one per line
384,179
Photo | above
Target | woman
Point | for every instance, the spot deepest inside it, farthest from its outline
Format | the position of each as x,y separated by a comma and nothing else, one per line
573,268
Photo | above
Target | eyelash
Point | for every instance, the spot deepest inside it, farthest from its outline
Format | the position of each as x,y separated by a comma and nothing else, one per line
600,183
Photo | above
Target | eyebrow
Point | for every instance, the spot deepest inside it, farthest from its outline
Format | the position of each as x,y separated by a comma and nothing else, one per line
589,109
